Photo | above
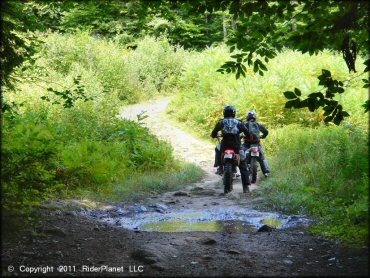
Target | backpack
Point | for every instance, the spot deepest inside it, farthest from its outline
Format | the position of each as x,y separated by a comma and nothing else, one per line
230,126
254,132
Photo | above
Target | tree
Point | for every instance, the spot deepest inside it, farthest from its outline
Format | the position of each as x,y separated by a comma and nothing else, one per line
264,27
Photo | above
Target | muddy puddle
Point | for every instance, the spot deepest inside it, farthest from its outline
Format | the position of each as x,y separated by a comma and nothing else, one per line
159,218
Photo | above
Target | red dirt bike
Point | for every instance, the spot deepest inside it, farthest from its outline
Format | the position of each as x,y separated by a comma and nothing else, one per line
230,160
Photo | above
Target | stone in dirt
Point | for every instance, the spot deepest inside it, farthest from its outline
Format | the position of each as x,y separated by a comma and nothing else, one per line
266,228
233,251
140,209
159,207
155,253
55,231
181,193
203,191
144,256
288,262
208,241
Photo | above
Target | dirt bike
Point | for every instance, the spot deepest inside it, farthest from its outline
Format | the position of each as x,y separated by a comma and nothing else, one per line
230,160
253,155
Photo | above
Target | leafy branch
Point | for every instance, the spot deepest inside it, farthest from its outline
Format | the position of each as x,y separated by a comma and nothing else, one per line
69,96
333,110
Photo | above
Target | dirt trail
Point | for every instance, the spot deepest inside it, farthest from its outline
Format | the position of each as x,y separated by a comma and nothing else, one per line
185,146
196,231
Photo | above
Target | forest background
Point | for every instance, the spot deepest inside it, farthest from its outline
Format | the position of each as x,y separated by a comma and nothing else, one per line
68,67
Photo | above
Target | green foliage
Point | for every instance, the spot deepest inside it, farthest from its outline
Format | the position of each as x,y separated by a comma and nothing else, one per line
107,67
49,150
323,173
333,111
69,96
18,41
264,28
203,92
42,155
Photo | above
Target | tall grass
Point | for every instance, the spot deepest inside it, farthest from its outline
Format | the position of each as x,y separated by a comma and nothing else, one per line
321,172
106,66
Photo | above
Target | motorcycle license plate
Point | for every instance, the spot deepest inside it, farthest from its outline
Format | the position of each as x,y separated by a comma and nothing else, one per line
255,153
228,155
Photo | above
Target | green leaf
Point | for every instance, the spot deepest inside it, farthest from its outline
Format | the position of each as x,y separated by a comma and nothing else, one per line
290,95
289,104
328,119
297,92
326,73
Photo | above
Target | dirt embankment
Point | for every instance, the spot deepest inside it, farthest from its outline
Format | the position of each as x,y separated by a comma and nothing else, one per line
84,238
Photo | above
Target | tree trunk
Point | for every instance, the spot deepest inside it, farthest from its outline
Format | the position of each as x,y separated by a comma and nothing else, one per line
224,25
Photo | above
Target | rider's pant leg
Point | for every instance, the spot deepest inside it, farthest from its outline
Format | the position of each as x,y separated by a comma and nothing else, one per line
217,157
244,172
263,161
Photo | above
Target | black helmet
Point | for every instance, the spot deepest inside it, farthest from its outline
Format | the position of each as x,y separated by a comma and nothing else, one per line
229,111
252,115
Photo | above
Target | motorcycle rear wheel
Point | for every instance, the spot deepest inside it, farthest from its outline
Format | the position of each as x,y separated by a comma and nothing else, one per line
254,169
228,177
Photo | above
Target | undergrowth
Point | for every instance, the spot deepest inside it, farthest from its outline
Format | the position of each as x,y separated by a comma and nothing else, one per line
323,173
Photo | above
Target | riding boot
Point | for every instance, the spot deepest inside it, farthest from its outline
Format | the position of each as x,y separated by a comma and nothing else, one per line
244,172
217,157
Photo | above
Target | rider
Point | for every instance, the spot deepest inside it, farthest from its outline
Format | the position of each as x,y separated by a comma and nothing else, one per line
230,129
252,117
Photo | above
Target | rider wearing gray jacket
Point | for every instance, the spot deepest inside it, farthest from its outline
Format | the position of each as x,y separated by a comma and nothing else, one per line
252,117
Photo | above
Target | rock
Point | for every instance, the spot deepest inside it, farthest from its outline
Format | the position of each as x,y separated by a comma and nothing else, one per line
197,189
232,251
140,209
110,208
266,228
71,213
194,263
332,259
181,193
287,261
96,228
203,191
59,253
55,231
119,212
208,241
118,222
154,253
28,253
158,266
161,206
214,203
144,256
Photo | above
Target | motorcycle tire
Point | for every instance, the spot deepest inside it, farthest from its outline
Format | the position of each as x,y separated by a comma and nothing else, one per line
228,177
254,169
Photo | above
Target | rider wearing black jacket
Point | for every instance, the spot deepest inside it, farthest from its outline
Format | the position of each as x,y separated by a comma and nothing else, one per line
252,117
230,129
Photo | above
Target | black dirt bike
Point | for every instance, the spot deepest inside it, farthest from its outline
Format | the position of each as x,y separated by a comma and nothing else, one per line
230,160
